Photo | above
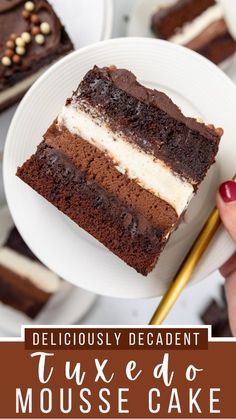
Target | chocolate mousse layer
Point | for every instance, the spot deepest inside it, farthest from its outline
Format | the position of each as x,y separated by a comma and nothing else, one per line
121,228
99,167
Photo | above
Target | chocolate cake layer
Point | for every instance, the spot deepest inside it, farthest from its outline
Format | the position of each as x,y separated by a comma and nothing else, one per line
150,120
122,229
99,167
20,294
36,56
168,19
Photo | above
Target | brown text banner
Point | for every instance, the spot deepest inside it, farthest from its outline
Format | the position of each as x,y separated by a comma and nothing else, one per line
110,338
38,381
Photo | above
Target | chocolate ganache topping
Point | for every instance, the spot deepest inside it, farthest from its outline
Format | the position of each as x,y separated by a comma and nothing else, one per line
31,36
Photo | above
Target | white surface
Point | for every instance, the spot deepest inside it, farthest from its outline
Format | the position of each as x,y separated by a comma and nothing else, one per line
86,21
67,306
150,173
69,249
230,15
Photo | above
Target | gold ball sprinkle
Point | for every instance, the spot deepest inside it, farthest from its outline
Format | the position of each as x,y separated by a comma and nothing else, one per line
35,19
45,28
26,37
9,53
25,14
35,30
29,6
6,61
40,39
20,42
16,59
10,44
20,50
13,36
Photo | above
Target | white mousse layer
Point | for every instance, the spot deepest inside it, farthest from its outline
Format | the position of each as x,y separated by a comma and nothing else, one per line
39,275
193,29
150,173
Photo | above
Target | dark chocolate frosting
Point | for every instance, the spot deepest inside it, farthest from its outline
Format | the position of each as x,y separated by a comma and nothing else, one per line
125,80
12,21
6,5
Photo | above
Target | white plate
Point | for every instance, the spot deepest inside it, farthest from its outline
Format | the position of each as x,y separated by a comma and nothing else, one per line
140,22
86,21
198,87
68,306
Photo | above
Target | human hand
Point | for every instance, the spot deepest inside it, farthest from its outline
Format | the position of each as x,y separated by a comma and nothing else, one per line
226,202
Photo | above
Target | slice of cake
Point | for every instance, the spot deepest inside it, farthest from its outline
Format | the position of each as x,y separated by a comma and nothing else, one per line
25,284
31,38
123,162
196,24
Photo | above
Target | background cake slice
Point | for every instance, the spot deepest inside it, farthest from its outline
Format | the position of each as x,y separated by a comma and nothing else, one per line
31,38
123,162
196,24
25,284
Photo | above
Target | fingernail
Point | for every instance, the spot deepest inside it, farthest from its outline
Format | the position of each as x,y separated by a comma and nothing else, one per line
228,191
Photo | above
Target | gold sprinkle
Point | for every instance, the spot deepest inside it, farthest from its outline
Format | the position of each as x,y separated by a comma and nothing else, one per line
9,53
16,59
40,39
10,44
20,50
25,14
29,6
13,36
26,37
6,61
35,30
20,42
45,28
35,19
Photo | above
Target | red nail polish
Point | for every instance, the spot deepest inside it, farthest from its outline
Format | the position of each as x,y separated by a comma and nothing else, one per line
228,191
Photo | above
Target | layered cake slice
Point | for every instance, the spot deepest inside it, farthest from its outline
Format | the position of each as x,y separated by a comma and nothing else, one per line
25,284
196,24
31,38
123,162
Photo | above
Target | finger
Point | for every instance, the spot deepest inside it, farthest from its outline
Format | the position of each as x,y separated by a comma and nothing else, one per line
226,202
230,290
229,267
